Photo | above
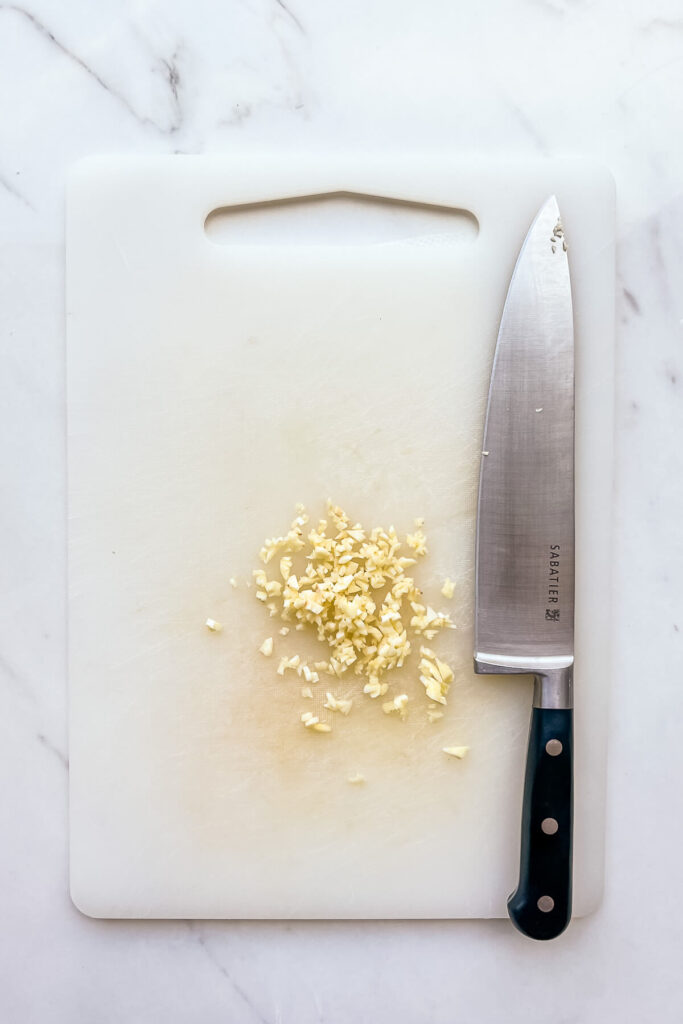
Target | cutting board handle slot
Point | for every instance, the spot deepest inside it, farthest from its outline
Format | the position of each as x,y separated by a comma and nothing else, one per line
340,218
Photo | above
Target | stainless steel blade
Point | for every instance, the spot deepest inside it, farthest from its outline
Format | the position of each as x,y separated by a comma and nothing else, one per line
525,527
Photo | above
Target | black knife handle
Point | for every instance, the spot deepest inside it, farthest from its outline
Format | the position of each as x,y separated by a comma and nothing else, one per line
541,904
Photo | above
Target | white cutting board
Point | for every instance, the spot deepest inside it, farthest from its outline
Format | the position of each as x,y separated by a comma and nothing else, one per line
210,388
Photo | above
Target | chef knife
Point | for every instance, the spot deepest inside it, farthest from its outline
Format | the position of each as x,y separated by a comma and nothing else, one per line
524,620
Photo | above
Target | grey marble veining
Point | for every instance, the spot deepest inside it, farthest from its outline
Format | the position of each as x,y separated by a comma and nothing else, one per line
535,76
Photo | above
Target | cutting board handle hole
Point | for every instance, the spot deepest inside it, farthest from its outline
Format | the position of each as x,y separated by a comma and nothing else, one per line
340,218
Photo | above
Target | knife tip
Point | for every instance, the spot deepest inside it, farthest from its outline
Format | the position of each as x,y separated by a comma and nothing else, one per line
551,205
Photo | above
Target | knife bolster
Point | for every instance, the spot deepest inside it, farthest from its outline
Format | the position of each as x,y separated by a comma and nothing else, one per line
554,688
553,677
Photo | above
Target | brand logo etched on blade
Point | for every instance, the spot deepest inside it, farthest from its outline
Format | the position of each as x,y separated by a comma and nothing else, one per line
553,614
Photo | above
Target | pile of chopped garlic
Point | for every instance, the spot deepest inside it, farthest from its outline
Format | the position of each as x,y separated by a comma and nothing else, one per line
355,594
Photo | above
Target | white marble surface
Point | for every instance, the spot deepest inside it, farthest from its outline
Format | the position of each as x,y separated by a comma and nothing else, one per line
536,76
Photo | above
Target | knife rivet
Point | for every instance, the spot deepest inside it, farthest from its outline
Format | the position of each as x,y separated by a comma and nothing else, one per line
549,826
545,904
553,747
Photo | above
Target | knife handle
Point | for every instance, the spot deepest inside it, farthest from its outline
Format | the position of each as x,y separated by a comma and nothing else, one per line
541,904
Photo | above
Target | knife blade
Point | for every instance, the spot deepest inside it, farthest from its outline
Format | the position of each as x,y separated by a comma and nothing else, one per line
524,600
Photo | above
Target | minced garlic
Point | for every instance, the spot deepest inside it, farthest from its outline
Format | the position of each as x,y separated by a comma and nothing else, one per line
417,541
458,752
285,567
399,704
427,622
267,647
435,675
374,688
338,704
286,663
292,541
357,779
307,673
448,588
214,626
312,721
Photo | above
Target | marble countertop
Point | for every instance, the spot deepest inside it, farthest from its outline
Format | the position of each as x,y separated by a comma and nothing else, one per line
553,77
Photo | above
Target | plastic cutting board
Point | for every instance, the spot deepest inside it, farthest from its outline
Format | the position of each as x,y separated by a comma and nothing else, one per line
333,347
